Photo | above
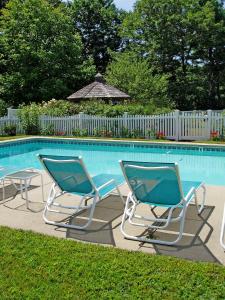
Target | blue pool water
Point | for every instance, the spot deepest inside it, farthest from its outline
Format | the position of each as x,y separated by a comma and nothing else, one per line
195,163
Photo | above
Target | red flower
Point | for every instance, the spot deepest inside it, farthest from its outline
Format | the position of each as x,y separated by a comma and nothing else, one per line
160,135
61,133
214,134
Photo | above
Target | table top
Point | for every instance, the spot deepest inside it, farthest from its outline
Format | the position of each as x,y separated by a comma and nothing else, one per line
25,174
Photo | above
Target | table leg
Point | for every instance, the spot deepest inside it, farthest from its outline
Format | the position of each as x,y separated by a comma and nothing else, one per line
42,188
26,193
21,188
3,189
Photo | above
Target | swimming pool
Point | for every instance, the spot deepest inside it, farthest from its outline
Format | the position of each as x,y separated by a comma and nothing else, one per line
199,163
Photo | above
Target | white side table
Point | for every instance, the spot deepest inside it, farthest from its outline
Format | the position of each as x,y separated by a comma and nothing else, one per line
24,177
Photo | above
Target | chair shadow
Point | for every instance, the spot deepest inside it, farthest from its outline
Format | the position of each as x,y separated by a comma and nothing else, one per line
13,203
101,228
191,246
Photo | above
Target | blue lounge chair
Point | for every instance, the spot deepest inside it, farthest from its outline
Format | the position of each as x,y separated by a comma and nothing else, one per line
70,176
157,185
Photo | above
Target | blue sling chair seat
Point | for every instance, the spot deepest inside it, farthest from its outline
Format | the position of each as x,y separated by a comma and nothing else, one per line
70,176
157,185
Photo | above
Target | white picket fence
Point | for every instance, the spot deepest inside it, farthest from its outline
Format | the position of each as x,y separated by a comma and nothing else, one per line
189,125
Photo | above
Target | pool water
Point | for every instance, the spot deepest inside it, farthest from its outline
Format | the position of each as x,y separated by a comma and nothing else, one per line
196,163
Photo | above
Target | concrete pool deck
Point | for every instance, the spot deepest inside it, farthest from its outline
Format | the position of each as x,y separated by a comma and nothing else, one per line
201,233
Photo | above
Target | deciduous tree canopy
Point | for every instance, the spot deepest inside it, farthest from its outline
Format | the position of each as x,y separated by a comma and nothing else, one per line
164,52
41,55
132,74
98,23
184,39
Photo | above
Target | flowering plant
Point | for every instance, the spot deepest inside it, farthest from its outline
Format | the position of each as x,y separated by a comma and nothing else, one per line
160,135
60,133
214,135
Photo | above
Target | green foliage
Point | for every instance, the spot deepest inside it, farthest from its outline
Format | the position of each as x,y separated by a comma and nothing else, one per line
29,118
41,54
132,108
2,4
59,108
70,271
98,23
10,130
174,53
48,130
79,132
132,74
119,132
3,108
185,41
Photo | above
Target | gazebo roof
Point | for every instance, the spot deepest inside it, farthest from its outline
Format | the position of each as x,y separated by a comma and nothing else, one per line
98,89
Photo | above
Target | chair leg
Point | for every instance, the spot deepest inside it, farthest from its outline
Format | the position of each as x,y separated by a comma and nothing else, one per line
90,217
202,205
222,242
149,240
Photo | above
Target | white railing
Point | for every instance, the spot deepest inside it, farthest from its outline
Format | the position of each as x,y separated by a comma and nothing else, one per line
4,121
177,125
143,126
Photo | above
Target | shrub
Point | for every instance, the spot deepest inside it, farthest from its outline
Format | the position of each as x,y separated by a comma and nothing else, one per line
151,134
29,118
59,108
101,108
10,129
3,108
97,132
160,135
79,132
48,130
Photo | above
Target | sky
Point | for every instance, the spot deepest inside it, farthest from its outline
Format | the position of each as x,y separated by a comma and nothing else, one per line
125,4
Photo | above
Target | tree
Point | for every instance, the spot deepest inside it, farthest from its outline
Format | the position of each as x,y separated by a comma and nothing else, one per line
41,55
3,3
176,37
52,2
98,23
132,74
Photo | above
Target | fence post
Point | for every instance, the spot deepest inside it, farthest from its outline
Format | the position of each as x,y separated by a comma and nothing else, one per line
125,119
177,124
81,116
209,123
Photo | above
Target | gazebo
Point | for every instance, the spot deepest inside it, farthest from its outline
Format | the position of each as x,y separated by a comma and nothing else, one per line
98,90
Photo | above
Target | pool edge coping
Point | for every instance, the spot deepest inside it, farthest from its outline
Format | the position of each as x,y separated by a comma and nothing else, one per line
149,142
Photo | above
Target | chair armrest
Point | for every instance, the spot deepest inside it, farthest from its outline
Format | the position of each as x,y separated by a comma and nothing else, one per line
192,190
105,184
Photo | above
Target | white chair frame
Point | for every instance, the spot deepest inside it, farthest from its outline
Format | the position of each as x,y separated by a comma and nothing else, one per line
132,203
83,205
222,232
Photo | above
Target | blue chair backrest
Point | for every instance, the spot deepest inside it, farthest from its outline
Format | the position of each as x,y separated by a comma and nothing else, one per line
157,183
69,173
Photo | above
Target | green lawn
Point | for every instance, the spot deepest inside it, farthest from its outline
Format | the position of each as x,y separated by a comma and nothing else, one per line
34,266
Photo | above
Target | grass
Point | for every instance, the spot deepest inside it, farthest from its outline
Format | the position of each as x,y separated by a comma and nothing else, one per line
5,138
34,266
